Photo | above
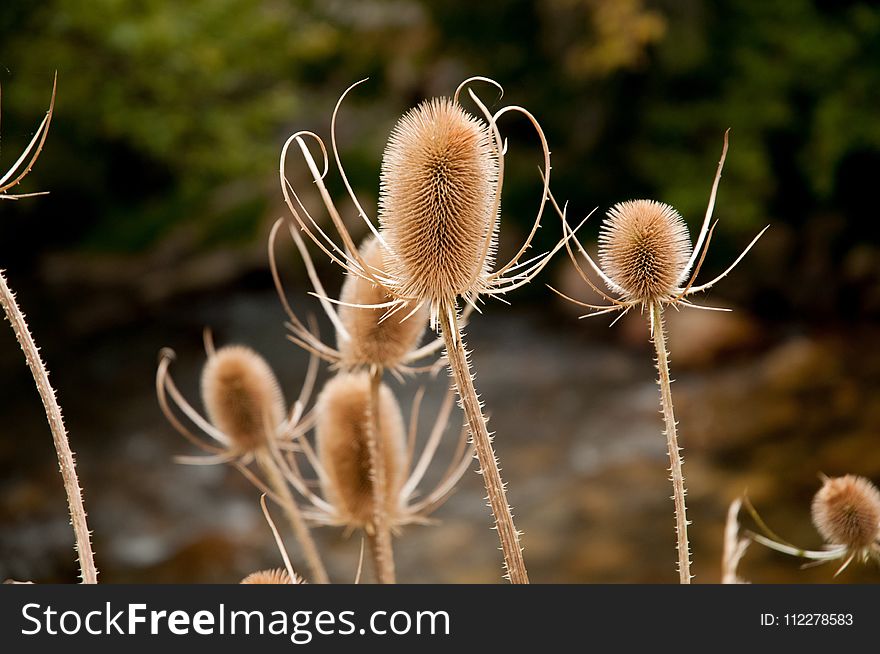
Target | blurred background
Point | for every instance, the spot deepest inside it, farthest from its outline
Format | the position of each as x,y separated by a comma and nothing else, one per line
162,162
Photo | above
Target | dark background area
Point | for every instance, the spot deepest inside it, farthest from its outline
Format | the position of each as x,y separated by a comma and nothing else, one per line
162,163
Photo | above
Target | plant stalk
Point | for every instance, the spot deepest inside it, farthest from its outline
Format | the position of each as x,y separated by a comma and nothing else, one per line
658,335
380,540
88,572
470,403
297,522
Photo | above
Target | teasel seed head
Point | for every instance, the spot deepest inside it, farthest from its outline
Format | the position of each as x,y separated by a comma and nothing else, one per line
436,201
846,511
242,397
644,247
342,428
372,342
274,576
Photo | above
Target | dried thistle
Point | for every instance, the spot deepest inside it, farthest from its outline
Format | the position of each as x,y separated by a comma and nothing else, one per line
246,422
367,337
275,576
242,397
16,173
437,204
343,430
846,512
343,465
440,197
647,260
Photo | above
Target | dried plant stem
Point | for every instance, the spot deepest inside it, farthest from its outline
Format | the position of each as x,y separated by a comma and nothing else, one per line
59,434
658,335
380,538
279,485
495,489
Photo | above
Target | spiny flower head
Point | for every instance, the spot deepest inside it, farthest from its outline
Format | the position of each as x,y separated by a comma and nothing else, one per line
372,341
273,576
644,247
342,430
242,397
437,201
846,511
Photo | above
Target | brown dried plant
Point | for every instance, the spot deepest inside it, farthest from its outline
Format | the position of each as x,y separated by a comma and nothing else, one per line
247,421
16,173
365,339
846,513
439,213
645,257
342,462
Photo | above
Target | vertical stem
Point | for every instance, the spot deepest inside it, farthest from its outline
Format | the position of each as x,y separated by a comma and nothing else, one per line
380,539
658,335
279,485
59,434
495,489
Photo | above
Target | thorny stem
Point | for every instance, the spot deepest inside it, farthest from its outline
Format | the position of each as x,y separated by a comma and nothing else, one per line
658,335
278,484
380,538
88,573
470,403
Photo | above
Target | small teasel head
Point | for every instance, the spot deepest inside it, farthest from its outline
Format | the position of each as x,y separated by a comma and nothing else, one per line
275,576
437,202
242,397
846,511
342,429
373,339
644,248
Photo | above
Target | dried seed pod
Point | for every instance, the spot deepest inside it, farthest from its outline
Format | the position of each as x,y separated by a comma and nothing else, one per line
242,397
437,198
644,247
342,429
274,576
372,342
846,511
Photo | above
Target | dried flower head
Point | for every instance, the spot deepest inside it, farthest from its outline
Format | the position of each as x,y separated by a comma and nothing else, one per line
242,397
342,429
274,576
367,335
644,248
437,200
846,511
439,207
645,255
371,340
342,460
244,405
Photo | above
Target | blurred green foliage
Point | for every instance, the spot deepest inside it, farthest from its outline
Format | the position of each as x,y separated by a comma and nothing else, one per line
172,115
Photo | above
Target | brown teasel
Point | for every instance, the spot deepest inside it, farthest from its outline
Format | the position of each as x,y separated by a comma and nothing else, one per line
343,468
246,422
274,576
846,512
646,258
